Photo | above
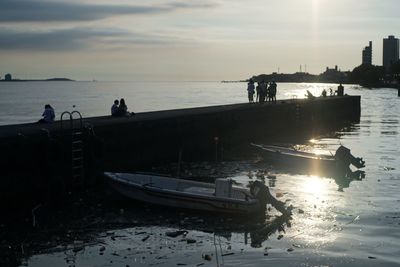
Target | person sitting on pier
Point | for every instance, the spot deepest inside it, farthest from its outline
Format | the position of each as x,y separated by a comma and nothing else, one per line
323,94
48,114
123,109
310,96
114,108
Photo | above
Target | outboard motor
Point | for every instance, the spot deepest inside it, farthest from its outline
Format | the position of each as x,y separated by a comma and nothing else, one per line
345,158
261,192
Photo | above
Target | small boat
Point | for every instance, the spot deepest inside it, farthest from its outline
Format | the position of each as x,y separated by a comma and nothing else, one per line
188,194
314,163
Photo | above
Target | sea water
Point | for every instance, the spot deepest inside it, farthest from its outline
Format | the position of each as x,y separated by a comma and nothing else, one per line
356,223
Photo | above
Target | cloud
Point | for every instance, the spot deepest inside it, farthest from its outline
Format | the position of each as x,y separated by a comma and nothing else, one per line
73,39
45,11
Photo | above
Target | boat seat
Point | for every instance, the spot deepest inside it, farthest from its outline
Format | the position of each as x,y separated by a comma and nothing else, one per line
199,190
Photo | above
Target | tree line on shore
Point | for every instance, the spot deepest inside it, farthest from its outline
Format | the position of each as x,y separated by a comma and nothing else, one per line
365,75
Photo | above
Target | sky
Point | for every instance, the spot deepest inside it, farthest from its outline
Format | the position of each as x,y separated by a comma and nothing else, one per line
188,40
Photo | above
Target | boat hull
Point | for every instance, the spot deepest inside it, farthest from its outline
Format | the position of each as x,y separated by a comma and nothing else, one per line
300,161
171,198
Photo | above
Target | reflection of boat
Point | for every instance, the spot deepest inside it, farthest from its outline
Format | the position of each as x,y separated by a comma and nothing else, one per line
218,197
263,231
312,162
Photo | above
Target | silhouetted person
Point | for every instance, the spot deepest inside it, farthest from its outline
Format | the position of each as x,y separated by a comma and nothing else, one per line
258,92
263,91
340,90
114,108
250,91
123,108
48,114
273,90
310,95
269,92
323,94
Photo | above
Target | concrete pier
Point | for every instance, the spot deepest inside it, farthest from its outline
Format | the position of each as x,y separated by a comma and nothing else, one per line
37,155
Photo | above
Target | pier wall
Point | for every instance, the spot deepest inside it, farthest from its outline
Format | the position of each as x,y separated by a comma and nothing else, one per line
37,157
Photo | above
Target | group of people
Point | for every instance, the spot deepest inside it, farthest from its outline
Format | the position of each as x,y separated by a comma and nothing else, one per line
264,91
120,109
338,92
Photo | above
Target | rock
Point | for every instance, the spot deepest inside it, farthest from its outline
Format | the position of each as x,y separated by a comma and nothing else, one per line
280,237
290,249
102,248
190,241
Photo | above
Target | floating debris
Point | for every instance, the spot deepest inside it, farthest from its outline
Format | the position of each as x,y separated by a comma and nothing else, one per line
176,233
228,254
207,257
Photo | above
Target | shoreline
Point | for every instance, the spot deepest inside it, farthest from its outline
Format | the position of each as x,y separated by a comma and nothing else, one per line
41,80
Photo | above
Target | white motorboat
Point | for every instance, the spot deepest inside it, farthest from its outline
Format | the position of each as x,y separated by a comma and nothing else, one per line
219,197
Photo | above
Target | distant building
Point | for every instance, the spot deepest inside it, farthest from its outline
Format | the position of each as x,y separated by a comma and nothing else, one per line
8,77
334,75
390,51
367,55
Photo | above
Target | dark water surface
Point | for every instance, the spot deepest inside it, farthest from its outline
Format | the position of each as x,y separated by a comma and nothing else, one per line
335,222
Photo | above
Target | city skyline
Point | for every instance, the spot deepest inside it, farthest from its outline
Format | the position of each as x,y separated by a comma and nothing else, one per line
182,40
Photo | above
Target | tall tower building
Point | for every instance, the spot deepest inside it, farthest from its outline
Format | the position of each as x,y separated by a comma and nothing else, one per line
367,54
390,51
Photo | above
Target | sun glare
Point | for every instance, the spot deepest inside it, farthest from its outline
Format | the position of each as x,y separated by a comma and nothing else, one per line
315,186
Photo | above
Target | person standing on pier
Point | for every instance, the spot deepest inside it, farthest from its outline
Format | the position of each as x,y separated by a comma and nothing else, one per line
269,92
263,91
250,90
273,89
340,90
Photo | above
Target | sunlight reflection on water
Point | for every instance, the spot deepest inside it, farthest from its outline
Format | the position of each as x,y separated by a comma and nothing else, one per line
344,220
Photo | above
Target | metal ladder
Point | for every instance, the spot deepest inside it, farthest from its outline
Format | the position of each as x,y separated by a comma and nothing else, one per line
77,160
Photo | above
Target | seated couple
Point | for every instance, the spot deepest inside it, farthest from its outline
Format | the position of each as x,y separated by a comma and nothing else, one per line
120,109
